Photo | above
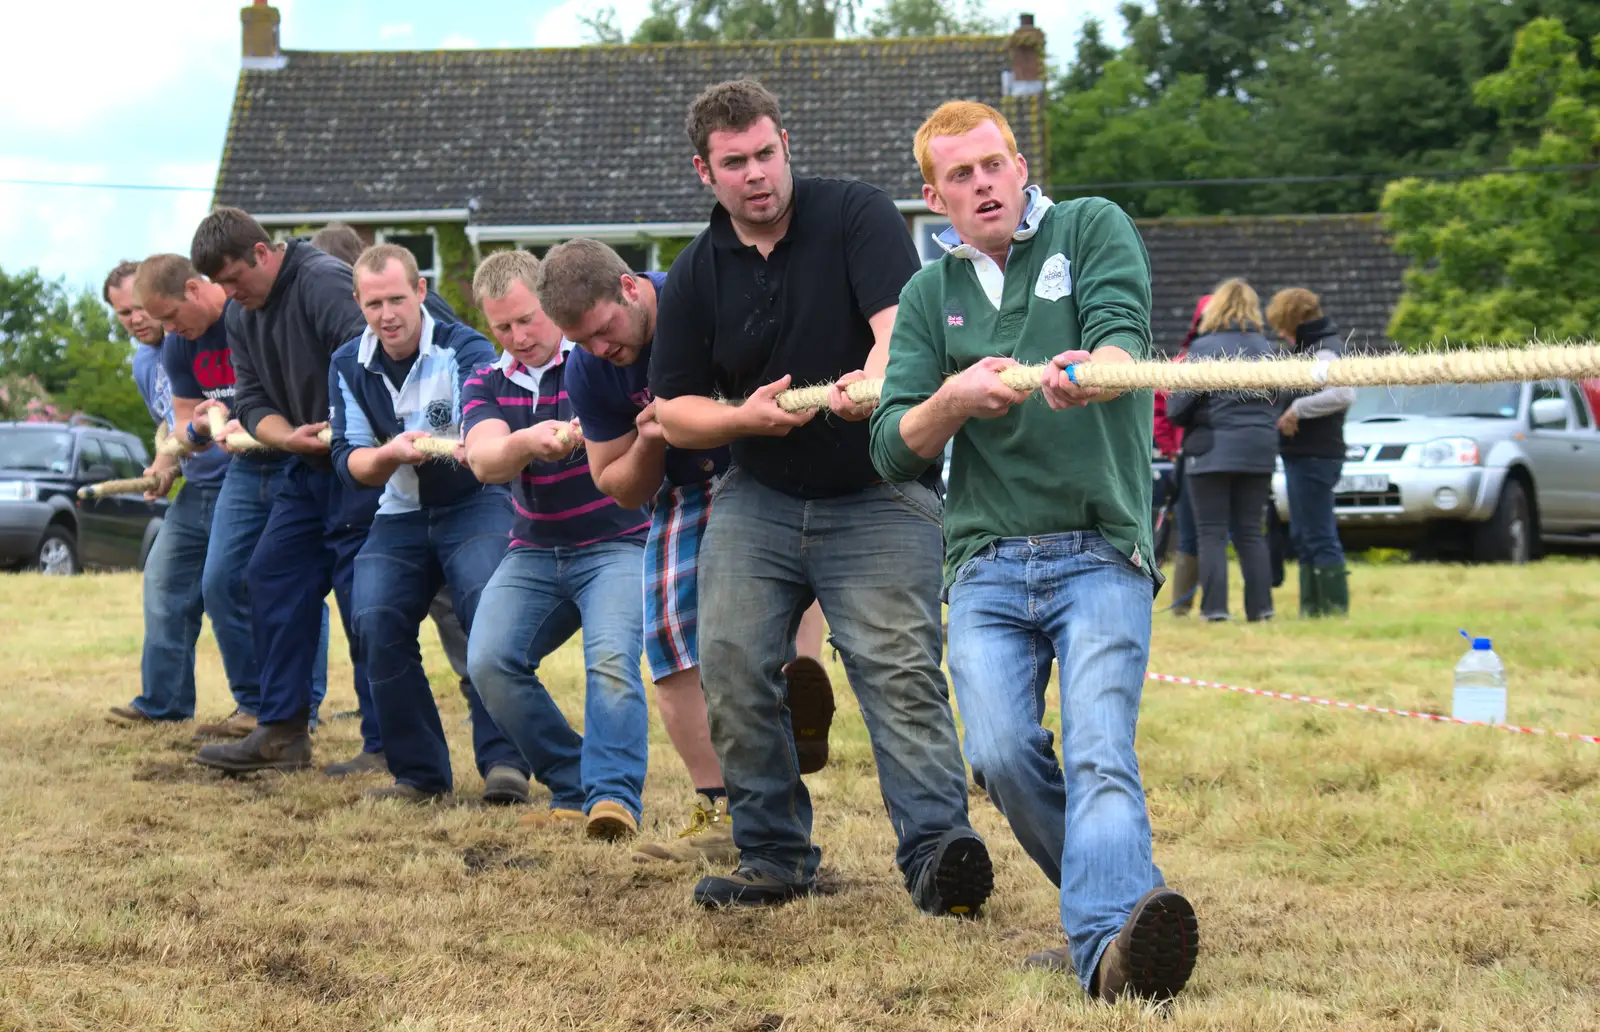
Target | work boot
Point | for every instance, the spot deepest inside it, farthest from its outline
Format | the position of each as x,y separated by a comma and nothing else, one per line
610,821
505,786
407,794
284,746
1311,605
548,818
1185,582
958,879
235,725
708,836
1058,960
129,716
1334,588
364,763
1153,955
746,887
810,712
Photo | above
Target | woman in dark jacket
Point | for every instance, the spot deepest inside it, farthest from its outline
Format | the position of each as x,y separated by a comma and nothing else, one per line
1169,440
1312,445
1230,446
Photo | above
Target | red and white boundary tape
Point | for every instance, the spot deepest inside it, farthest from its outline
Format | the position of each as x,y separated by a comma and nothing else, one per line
1334,703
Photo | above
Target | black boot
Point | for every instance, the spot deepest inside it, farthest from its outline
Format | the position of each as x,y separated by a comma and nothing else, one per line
1334,587
1311,602
284,746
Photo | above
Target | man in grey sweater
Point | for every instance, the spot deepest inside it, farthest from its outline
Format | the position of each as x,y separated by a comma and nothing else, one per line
294,306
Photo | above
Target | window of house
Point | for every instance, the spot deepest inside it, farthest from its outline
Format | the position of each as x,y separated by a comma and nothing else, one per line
640,255
424,247
924,228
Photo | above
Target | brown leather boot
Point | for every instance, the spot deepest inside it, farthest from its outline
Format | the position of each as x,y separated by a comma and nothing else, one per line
283,746
1153,955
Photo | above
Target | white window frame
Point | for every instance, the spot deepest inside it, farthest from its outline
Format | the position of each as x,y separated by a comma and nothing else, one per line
381,236
918,225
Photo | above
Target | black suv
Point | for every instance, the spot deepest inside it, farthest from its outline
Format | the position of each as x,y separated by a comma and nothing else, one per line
43,522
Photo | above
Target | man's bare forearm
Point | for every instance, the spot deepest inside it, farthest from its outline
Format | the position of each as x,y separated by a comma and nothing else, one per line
495,460
698,422
372,466
928,426
634,477
273,431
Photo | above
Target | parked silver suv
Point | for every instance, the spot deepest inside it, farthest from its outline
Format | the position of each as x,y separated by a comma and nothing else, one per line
1491,471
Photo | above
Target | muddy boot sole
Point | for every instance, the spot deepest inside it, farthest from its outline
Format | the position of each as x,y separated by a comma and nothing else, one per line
810,712
1161,942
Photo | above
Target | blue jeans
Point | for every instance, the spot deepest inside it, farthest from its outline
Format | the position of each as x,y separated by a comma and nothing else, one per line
872,559
1313,528
173,605
241,513
1074,598
307,548
536,600
397,574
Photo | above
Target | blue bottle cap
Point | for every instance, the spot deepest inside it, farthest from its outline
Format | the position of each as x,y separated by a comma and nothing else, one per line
1480,645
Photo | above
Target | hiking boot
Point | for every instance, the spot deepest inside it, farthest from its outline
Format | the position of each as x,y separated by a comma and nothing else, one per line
128,716
407,794
1311,605
283,746
610,821
1185,582
234,725
543,818
746,887
1058,960
959,878
810,712
1153,955
708,836
364,763
1334,586
505,786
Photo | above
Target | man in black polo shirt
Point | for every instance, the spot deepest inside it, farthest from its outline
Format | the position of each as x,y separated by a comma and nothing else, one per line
796,282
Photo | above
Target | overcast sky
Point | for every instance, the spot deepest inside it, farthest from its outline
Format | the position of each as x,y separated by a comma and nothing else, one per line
112,91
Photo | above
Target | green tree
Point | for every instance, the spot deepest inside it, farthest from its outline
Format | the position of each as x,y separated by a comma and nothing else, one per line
69,344
1508,257
932,18
1091,55
1125,129
1225,42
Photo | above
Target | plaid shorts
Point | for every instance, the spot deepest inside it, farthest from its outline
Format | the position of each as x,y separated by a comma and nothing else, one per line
671,594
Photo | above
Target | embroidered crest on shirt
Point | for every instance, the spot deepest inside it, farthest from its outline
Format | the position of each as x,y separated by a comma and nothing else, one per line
438,413
1055,279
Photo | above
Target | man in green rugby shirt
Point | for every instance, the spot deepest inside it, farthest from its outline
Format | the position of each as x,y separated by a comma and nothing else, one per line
1047,529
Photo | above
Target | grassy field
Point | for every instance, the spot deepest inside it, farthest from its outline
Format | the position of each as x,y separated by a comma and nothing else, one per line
1351,871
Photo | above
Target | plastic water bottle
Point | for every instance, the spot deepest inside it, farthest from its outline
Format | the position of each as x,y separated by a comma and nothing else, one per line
1480,684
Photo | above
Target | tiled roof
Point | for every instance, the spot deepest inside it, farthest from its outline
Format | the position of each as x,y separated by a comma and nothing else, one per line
588,135
1345,259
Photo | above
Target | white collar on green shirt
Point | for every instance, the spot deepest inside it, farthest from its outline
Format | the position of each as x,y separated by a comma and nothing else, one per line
990,276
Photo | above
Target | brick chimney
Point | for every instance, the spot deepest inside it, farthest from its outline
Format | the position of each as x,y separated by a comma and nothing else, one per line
259,50
1025,77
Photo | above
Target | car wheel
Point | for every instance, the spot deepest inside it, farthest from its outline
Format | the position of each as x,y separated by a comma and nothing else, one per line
1509,534
58,553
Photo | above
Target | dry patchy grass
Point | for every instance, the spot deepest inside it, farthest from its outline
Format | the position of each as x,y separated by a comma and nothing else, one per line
1350,871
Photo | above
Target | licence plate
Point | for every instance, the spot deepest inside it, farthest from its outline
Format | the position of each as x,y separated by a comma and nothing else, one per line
1367,483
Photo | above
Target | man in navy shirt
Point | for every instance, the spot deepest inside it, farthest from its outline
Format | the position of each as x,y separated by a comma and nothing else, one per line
172,600
609,312
576,559
436,523
198,363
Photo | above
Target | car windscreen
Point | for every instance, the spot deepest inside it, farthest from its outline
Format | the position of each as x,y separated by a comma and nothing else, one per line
1484,400
48,451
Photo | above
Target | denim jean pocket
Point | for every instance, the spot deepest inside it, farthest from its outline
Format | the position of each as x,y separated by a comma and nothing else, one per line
969,569
720,484
1105,553
919,499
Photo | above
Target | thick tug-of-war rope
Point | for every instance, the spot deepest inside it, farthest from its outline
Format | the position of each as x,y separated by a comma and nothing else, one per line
1569,362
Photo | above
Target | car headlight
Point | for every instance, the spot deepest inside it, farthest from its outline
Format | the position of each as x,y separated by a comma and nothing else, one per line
19,491
1450,451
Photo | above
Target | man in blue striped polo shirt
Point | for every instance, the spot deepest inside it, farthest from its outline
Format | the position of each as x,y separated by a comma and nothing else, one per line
576,559
402,380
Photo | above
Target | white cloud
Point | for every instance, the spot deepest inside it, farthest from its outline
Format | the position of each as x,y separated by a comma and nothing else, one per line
456,41
395,32
561,25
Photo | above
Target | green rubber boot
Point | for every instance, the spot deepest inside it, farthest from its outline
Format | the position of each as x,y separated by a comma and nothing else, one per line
1334,588
1311,605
